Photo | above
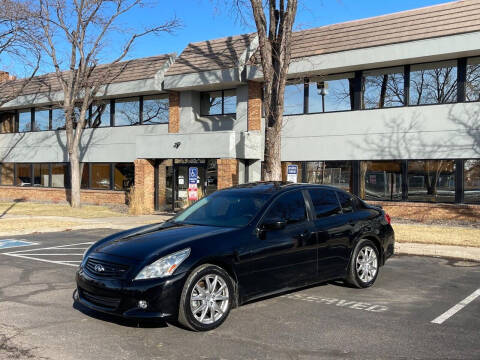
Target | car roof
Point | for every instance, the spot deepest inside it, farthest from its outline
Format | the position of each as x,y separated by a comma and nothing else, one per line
272,187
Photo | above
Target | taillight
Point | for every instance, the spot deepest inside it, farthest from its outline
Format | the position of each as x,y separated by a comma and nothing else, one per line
388,219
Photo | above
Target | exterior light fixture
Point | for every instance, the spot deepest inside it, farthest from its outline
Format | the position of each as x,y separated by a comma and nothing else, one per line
322,89
177,144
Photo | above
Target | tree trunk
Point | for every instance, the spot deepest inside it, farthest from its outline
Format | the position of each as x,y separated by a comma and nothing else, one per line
75,179
272,169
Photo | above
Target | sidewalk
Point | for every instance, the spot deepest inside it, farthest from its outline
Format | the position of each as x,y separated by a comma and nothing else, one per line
447,251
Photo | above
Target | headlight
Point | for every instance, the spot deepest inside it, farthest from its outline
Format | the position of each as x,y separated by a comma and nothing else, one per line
163,267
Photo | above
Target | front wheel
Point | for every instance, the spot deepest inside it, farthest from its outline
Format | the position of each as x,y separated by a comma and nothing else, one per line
364,264
206,299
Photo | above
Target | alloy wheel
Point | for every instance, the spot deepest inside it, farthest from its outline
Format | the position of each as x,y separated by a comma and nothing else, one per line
366,264
209,299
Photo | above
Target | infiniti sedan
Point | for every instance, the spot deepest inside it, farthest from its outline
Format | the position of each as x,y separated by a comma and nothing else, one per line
234,246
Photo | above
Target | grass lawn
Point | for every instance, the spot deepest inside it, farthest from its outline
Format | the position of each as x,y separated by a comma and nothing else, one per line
39,209
14,226
434,234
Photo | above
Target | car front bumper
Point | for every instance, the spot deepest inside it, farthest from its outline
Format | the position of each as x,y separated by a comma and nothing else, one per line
121,297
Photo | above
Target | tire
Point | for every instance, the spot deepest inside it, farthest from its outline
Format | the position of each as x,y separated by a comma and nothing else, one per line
359,275
198,310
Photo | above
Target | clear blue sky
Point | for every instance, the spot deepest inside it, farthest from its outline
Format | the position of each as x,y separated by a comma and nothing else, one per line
204,20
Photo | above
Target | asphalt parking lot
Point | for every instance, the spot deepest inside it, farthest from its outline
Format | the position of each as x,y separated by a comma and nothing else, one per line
419,308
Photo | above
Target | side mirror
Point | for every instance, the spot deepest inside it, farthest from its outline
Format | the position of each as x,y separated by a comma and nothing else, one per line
274,224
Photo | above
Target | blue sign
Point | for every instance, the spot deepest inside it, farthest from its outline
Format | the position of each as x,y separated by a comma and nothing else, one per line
10,243
292,169
192,175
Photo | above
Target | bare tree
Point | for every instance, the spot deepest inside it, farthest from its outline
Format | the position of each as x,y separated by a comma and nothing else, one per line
19,43
84,29
275,39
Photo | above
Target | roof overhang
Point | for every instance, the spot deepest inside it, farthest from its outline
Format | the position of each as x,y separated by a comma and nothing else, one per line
418,51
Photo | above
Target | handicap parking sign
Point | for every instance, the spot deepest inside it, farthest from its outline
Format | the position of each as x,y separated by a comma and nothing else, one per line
192,175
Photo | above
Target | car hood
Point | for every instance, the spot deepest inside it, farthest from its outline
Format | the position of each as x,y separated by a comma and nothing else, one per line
155,241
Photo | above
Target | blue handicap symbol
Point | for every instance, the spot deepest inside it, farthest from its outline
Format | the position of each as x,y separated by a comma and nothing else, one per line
11,243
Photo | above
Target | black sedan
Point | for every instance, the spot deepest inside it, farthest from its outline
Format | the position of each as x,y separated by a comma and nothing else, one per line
233,246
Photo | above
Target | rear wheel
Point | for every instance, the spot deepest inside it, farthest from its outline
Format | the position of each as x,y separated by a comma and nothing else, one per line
206,299
364,265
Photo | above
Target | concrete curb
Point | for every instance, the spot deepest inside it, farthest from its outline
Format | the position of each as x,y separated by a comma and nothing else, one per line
446,251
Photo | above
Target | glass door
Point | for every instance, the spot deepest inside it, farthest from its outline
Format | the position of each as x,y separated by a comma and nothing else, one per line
185,194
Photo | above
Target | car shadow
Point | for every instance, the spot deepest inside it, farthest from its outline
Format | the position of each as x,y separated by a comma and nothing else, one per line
133,323
340,283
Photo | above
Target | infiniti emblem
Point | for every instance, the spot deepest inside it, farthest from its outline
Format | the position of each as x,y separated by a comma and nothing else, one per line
99,268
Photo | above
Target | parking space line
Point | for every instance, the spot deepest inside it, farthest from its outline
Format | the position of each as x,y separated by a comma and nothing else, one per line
39,259
38,254
53,247
456,308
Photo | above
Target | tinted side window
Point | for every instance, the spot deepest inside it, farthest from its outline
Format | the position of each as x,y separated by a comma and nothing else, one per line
289,207
325,202
346,201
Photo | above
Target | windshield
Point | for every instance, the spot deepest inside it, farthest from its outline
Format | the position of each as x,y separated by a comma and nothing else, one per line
228,209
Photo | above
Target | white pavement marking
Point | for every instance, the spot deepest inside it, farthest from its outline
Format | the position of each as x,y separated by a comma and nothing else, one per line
456,308
53,247
32,254
338,302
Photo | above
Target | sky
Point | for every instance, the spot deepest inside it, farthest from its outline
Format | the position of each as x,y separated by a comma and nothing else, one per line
208,19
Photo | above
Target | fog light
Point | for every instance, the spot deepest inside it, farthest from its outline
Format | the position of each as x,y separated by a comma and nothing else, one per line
142,304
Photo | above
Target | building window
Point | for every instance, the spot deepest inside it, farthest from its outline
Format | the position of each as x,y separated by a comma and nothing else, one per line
335,173
41,173
7,121
42,120
472,91
431,180
383,88
155,110
24,120
433,83
7,173
85,171
381,180
330,93
23,175
472,181
127,112
58,119
100,176
293,98
123,176
99,114
222,102
60,176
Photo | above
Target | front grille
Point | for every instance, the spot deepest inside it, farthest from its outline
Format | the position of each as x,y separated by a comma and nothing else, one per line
103,301
105,269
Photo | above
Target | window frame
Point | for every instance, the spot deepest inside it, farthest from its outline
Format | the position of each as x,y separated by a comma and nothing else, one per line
223,102
276,198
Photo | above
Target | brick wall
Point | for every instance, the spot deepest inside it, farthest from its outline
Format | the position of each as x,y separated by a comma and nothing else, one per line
428,212
97,197
174,112
227,173
5,76
145,185
254,106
